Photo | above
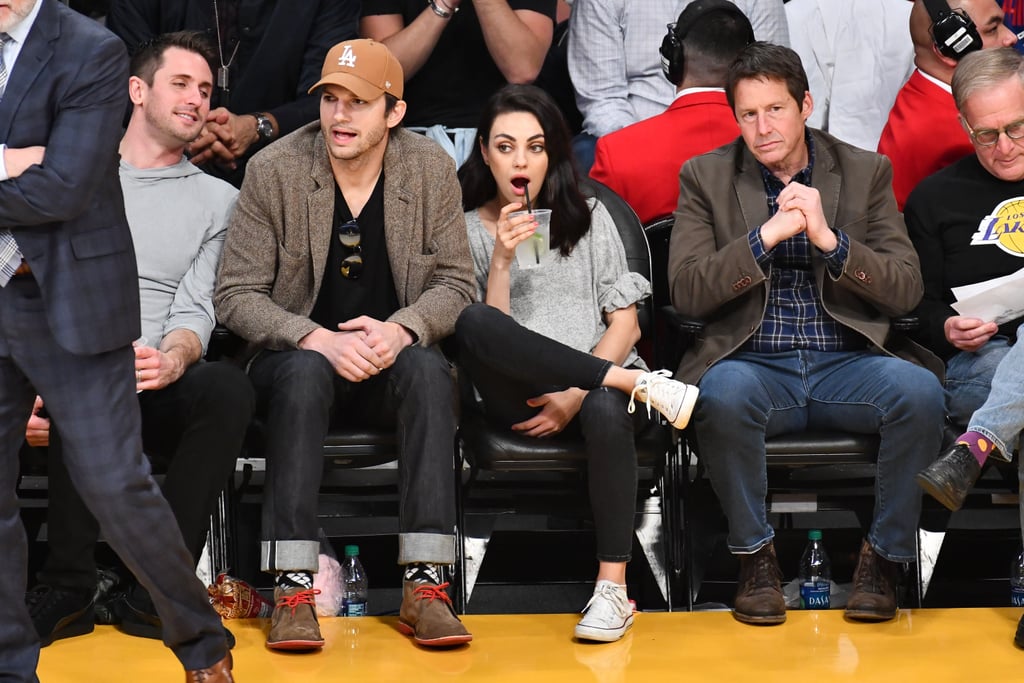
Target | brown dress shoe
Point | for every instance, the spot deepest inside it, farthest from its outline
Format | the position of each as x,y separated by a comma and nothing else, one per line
218,673
874,587
759,597
427,615
294,625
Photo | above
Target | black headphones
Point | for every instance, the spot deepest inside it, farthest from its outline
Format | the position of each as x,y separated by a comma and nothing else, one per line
952,30
672,58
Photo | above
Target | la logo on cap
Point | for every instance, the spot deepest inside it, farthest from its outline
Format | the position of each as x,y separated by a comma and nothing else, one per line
347,58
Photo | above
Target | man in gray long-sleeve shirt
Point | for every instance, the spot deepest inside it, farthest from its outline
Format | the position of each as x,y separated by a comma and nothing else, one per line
193,413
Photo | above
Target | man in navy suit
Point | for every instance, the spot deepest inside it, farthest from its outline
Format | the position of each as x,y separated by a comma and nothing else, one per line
69,310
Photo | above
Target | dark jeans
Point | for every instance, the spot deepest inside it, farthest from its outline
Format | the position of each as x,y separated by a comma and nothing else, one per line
196,426
749,397
299,396
509,364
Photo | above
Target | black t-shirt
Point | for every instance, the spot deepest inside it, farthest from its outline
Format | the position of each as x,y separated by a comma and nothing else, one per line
373,292
967,227
454,83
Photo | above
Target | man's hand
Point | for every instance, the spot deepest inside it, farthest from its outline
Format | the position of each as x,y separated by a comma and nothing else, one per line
782,226
968,334
37,431
225,138
18,159
807,200
156,369
557,410
348,352
385,339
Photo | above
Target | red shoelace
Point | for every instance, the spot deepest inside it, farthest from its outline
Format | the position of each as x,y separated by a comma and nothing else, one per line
429,591
306,597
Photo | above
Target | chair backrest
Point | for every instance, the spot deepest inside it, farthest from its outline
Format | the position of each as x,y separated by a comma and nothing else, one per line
634,241
658,233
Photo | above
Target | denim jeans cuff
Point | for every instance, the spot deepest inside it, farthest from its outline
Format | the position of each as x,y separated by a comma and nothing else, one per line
289,556
420,547
1002,453
753,547
910,556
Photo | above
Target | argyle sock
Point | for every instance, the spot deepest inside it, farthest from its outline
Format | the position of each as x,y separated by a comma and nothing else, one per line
423,571
287,580
979,444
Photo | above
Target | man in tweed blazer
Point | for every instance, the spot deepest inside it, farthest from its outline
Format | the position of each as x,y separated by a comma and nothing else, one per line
67,321
788,242
346,261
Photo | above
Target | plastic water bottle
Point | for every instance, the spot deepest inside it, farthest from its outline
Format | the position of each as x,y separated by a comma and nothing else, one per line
815,574
354,577
1017,582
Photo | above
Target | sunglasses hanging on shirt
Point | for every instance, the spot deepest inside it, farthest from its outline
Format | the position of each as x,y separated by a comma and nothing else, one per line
350,238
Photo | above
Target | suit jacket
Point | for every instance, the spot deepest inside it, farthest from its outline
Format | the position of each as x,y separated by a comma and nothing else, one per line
923,134
714,275
280,232
641,162
67,91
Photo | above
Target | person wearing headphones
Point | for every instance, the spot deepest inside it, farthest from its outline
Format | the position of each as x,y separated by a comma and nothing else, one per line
696,53
923,133
615,70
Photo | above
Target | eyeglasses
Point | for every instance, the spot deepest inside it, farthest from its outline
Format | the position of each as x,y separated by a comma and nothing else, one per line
349,236
986,137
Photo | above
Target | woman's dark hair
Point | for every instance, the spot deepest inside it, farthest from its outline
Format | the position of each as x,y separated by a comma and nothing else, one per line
570,215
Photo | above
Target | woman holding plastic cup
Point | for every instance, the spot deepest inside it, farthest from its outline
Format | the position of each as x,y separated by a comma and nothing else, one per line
551,349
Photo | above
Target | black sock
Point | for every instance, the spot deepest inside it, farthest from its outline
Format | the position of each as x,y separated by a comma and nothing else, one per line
297,579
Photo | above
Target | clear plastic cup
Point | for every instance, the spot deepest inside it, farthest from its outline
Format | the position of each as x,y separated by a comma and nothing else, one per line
535,250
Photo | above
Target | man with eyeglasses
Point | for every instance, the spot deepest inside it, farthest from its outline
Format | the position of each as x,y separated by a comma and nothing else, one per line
967,224
346,262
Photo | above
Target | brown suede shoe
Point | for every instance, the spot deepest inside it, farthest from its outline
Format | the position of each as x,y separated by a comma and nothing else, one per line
759,597
218,673
874,587
427,615
294,625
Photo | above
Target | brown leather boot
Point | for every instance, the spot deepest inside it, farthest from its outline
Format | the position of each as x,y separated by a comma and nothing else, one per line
427,615
294,625
759,597
218,673
874,587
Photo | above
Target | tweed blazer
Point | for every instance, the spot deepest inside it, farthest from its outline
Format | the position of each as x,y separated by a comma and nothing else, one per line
713,274
279,236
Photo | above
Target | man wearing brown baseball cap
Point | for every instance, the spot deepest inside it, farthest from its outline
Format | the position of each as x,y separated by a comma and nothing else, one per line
347,265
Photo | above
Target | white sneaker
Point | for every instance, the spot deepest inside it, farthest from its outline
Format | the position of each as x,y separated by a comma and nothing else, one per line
608,615
671,398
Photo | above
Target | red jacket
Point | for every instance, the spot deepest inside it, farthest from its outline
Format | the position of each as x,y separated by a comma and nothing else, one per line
641,162
923,134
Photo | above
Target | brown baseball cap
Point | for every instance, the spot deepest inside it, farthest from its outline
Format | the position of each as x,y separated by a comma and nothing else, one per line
365,67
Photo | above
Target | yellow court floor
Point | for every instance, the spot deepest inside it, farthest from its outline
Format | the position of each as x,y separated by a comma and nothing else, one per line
920,645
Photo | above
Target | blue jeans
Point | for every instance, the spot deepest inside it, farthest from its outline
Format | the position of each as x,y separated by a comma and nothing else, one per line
969,378
751,396
299,396
1001,418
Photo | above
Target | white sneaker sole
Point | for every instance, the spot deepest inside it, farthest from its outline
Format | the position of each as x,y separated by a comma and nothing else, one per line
682,418
603,635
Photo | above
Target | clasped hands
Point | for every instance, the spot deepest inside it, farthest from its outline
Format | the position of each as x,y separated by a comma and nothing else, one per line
362,348
224,138
799,211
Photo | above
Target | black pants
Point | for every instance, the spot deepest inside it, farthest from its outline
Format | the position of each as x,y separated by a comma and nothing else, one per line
300,396
196,427
509,364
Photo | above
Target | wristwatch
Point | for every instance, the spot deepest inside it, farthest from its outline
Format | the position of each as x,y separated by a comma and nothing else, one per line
264,127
